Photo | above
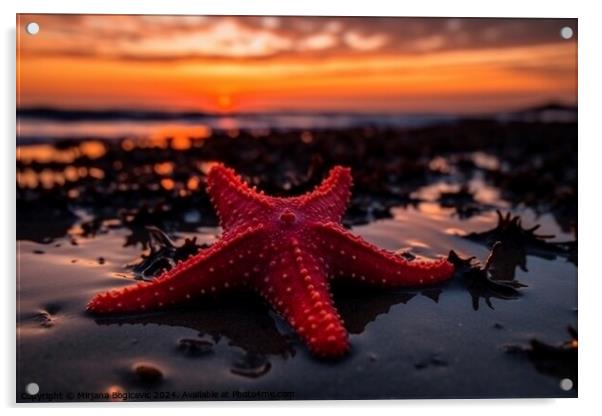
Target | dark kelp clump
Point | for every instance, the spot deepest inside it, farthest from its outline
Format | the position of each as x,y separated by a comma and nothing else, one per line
558,360
520,241
494,279
163,255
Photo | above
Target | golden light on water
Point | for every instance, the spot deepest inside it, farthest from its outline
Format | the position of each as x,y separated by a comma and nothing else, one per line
193,183
434,210
167,184
48,178
165,168
45,153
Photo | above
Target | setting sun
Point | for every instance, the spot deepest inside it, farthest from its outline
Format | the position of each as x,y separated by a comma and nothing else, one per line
224,103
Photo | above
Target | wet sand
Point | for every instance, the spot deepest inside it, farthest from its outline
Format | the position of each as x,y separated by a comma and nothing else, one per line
455,340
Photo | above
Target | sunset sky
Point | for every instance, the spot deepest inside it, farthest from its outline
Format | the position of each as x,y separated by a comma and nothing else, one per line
231,64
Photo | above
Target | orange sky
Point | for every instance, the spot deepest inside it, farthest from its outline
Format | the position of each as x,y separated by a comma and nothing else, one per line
318,64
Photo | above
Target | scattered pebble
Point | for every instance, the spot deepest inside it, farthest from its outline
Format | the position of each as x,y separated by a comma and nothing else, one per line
45,319
195,347
252,366
147,373
432,361
115,392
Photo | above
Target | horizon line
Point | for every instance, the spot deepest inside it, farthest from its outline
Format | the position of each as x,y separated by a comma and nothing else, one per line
107,113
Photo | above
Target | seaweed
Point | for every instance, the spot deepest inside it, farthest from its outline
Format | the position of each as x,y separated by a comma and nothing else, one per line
163,255
521,241
494,279
463,202
557,360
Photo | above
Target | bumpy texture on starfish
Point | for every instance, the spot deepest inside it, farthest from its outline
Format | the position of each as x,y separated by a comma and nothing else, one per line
286,249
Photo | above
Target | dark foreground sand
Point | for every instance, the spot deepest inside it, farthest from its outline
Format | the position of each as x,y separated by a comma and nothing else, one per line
418,190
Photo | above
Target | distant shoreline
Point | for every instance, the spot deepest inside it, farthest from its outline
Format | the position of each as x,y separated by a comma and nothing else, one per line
66,115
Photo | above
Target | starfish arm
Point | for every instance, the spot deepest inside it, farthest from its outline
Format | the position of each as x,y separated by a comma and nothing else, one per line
296,287
355,258
215,269
234,201
329,200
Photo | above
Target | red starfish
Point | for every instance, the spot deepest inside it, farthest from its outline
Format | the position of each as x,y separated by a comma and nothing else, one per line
287,250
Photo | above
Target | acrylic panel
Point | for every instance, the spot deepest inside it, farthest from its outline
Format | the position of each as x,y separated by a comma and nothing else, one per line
295,208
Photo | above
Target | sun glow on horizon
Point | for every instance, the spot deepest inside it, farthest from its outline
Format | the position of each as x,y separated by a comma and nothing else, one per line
225,103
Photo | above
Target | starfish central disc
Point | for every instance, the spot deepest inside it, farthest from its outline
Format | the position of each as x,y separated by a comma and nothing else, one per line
288,216
290,267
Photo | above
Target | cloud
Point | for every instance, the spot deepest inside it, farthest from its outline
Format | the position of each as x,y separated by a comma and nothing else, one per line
225,38
429,43
318,41
258,37
364,43
270,22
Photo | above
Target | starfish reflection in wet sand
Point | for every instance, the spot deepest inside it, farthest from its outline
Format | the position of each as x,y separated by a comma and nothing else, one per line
286,249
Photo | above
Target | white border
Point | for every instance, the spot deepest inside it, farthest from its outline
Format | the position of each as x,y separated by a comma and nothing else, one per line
590,68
